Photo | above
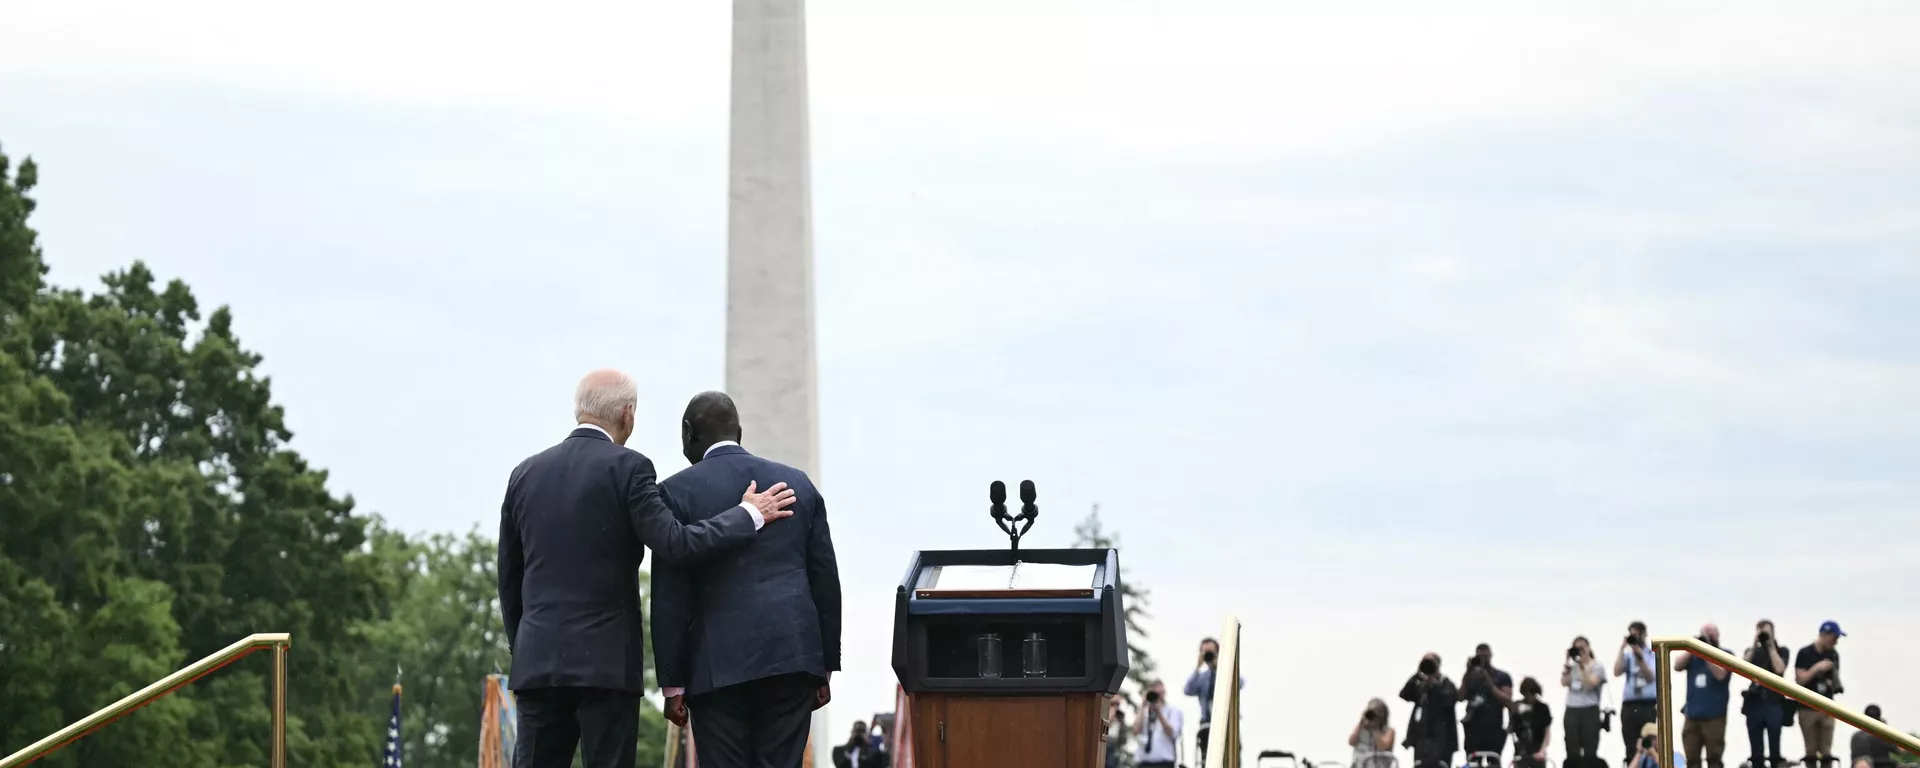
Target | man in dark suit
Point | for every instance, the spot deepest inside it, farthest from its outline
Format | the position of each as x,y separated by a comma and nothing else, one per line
572,532
747,640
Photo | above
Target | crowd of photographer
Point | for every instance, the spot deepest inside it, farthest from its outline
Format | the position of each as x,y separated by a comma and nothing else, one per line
1493,715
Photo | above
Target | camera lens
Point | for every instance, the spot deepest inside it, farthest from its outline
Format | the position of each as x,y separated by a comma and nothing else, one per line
1210,656
1573,653
1153,697
1646,742
1427,667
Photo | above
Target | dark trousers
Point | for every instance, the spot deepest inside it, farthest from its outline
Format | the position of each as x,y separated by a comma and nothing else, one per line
1484,740
757,724
603,724
1763,734
1431,752
1634,715
1583,737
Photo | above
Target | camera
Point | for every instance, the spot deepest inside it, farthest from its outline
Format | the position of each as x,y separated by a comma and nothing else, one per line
1428,667
1763,638
1368,716
1646,742
1153,697
1209,657
1636,640
1573,653
1474,662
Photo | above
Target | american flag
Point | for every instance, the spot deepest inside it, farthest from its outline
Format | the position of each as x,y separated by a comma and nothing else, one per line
392,758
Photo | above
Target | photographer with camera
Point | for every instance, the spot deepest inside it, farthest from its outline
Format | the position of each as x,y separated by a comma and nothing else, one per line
1200,686
1372,737
1159,730
862,750
1817,666
1585,679
1532,726
1634,666
1764,709
1648,755
1706,708
1430,731
1488,692
1117,732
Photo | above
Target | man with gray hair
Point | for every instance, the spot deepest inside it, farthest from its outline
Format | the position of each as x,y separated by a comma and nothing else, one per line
573,531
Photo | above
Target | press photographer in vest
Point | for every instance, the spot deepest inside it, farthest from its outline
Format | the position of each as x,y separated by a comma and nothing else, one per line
1706,709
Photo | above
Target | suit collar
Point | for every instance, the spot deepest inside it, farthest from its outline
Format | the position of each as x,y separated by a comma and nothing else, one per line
724,448
591,432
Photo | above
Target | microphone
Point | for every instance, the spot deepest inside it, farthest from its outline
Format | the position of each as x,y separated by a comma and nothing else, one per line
997,493
1027,495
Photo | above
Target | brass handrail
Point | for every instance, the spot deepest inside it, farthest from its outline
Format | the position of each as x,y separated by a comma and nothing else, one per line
279,642
1665,648
1223,748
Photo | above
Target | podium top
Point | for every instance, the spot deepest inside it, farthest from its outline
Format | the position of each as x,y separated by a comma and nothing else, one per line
999,580
950,600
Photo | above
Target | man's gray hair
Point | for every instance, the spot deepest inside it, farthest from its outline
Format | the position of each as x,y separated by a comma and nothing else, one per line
604,396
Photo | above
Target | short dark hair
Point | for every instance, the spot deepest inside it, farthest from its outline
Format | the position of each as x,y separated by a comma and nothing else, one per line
713,416
1529,686
1637,626
1205,640
1483,647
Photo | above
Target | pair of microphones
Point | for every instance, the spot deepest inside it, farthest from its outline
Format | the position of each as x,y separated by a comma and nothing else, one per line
1012,524
997,493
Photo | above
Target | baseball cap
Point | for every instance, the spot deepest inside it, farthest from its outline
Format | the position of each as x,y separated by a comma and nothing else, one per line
1831,627
1873,711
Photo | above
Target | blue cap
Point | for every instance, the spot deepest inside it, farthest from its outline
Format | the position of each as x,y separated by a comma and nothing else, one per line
1831,628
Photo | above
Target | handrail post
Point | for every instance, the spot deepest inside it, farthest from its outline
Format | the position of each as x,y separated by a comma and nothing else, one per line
279,757
1665,703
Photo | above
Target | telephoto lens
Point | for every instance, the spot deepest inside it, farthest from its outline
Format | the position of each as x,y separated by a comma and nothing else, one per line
1153,697
1427,667
1210,656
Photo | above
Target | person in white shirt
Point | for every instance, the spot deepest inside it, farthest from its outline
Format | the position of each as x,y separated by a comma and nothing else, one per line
1159,730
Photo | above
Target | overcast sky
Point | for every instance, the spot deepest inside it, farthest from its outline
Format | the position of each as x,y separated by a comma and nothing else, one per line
1383,327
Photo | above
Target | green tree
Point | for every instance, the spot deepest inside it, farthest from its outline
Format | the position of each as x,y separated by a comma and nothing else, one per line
440,630
1092,534
153,514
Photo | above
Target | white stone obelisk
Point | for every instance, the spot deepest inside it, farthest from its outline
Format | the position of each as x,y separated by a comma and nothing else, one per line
770,352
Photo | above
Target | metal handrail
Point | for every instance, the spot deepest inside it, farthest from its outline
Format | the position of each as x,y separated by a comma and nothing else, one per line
279,642
1665,648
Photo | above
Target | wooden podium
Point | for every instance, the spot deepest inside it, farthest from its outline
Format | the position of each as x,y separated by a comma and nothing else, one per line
1055,616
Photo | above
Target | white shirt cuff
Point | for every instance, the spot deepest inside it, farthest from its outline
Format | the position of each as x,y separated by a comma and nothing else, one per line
759,520
673,691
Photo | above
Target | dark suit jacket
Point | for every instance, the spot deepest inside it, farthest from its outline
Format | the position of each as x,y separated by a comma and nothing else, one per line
572,531
771,608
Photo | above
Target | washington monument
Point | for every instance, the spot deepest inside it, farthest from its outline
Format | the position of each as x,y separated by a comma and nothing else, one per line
770,352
